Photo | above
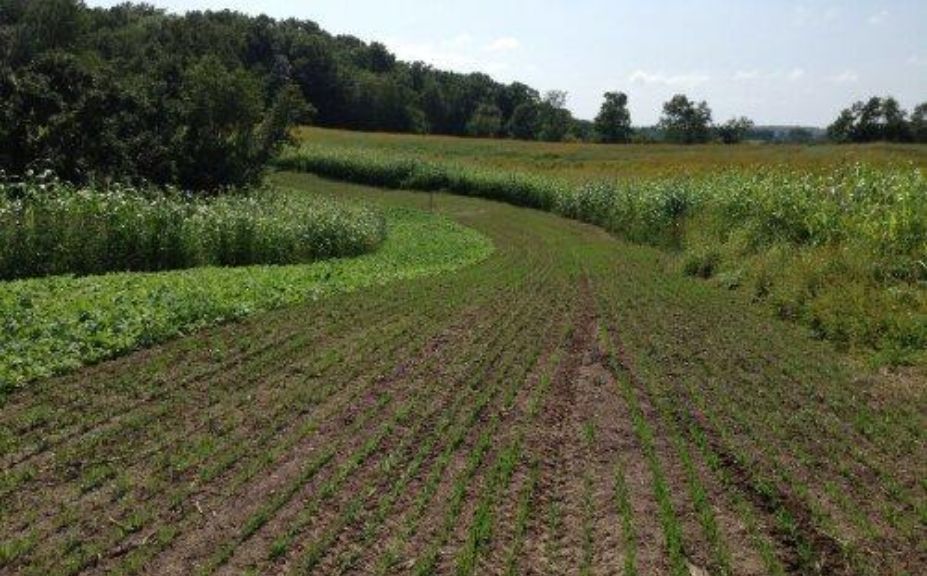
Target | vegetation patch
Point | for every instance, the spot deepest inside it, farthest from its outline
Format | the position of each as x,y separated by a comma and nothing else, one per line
48,227
58,323
843,251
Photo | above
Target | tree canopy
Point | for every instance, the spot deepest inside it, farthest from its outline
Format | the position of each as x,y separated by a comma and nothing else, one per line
613,124
878,119
685,121
202,99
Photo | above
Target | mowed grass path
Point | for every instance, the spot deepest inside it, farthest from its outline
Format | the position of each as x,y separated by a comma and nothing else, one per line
567,406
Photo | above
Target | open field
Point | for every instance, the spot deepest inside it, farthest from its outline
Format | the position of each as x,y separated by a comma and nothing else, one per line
568,405
580,162
841,250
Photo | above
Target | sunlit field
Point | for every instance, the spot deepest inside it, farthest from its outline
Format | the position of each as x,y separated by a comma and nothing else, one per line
584,161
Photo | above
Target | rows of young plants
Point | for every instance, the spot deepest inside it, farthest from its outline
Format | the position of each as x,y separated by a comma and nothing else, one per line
57,323
564,404
49,227
843,251
371,333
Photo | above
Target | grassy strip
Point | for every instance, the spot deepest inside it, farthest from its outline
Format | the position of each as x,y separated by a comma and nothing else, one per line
385,505
297,403
308,428
317,548
453,299
623,503
672,531
56,324
506,370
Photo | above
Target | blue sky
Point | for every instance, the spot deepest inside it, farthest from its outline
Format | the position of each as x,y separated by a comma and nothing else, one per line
776,61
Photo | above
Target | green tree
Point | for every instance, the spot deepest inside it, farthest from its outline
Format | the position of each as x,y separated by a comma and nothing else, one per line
553,118
216,129
735,130
524,122
486,121
686,122
613,124
894,121
872,120
842,129
868,127
919,123
48,25
512,96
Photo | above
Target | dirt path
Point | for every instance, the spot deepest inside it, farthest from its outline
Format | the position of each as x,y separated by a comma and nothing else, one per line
569,406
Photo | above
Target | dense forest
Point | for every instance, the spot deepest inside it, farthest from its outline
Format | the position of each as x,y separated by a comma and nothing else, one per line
202,100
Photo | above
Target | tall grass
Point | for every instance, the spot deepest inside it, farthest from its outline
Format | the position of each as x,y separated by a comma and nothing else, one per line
48,227
844,251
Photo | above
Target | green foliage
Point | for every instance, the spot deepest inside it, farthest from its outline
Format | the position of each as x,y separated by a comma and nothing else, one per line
735,130
686,122
554,119
49,325
203,99
877,119
486,121
523,124
219,112
48,228
919,123
613,124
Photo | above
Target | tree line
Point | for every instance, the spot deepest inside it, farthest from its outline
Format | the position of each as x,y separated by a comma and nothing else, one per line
879,119
202,100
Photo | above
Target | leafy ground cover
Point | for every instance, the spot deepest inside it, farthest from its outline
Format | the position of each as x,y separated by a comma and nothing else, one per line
61,322
566,405
842,250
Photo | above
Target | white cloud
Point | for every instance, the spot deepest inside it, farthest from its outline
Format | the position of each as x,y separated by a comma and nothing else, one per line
747,75
915,60
803,15
460,53
504,44
688,80
878,17
792,75
845,77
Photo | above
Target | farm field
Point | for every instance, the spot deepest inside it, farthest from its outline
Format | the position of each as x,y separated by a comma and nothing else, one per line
840,248
569,404
580,162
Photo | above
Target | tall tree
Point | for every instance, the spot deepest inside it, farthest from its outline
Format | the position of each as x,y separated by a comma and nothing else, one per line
735,130
613,124
894,121
872,120
553,118
919,123
486,121
686,122
523,124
